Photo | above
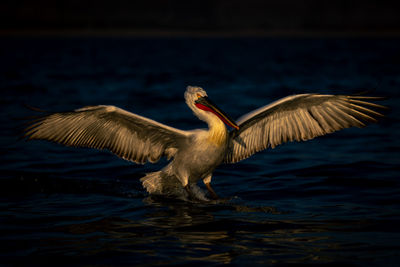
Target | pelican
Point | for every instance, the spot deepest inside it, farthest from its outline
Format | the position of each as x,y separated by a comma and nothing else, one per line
196,153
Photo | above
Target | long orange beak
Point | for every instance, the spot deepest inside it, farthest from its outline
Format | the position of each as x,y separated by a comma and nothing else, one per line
206,104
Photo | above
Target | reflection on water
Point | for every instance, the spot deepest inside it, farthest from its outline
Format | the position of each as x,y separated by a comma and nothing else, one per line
178,232
166,231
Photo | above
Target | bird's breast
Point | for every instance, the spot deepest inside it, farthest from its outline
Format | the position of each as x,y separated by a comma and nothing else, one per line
201,155
217,135
210,148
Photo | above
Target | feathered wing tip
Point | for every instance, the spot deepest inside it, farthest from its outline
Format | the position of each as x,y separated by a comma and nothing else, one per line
127,135
365,111
35,109
27,122
300,118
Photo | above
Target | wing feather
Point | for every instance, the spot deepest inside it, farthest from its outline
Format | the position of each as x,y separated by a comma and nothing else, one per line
129,136
297,133
298,117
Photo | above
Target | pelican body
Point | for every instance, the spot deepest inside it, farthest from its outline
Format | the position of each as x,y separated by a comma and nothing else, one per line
195,154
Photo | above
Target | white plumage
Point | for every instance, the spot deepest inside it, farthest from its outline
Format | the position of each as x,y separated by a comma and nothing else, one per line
195,154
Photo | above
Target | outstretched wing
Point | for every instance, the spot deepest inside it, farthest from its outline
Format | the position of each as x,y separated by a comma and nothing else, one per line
298,117
129,136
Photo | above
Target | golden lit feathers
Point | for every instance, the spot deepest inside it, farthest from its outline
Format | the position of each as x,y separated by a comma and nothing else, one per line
197,153
298,118
129,136
217,134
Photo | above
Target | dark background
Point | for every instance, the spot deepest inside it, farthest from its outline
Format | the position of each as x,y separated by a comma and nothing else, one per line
333,200
236,16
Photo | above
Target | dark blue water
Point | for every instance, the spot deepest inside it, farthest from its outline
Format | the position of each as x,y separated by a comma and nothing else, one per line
331,200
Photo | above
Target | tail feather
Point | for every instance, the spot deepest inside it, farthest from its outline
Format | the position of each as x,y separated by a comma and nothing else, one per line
161,183
152,182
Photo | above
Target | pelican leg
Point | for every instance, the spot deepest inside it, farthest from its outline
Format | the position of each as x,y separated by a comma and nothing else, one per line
207,182
191,195
212,192
185,183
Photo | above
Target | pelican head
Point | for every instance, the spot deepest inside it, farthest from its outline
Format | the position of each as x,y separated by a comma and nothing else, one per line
198,101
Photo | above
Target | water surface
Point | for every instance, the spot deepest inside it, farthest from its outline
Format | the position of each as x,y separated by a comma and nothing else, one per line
331,200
